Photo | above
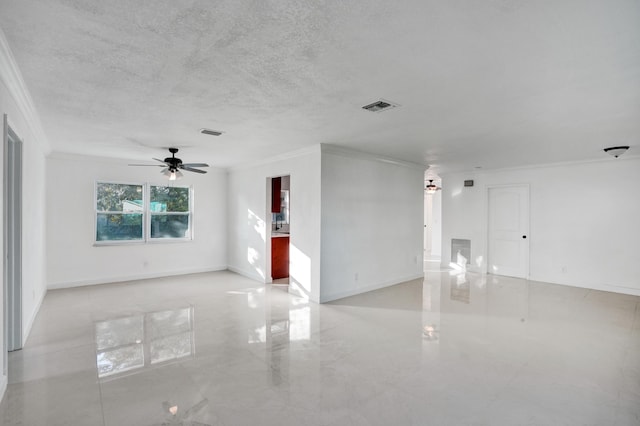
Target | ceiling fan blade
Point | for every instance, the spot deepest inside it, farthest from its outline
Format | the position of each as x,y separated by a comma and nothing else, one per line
189,169
195,164
148,165
162,161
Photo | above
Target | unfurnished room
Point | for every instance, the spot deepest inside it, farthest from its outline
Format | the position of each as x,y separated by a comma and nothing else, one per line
320,213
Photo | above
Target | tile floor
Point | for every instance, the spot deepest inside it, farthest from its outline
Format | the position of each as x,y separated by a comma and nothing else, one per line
219,349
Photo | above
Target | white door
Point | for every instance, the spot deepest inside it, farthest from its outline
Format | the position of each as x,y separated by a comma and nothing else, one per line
428,224
509,231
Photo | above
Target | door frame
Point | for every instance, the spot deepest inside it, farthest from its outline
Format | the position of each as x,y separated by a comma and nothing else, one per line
12,238
269,225
488,218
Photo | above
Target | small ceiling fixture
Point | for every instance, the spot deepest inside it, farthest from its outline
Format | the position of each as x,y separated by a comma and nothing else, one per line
431,188
616,151
381,105
210,132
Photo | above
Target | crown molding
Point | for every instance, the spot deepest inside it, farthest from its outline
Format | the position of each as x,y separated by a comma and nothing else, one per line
329,149
11,76
280,157
351,153
606,159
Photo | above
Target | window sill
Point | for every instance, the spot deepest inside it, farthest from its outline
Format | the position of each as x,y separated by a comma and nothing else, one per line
140,243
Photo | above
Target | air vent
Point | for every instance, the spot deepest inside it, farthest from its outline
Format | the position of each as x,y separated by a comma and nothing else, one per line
210,132
380,105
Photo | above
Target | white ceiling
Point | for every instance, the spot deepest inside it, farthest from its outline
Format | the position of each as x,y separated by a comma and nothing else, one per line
491,83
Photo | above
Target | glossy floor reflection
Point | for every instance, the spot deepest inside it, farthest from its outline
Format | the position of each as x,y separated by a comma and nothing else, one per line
219,349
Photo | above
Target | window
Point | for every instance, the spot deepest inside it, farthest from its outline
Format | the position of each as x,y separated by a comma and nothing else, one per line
142,213
169,209
119,211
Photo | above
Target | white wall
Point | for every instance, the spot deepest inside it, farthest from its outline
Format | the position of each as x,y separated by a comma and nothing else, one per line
73,260
249,229
372,222
33,232
15,101
584,221
433,220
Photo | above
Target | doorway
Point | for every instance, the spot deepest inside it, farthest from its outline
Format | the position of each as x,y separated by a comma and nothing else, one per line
280,225
508,231
12,231
432,223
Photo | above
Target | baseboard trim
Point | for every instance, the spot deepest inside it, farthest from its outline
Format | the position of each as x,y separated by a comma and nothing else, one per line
3,385
369,287
26,330
82,283
604,287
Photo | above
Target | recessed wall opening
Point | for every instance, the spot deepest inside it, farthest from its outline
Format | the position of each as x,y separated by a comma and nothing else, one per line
280,214
461,252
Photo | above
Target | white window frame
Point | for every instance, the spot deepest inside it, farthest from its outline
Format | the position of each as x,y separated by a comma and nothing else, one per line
146,216
149,213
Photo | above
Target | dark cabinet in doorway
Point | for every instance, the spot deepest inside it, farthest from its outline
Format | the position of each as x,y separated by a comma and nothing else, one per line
276,187
279,257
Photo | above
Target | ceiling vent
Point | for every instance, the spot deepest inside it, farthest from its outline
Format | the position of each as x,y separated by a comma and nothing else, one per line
210,132
380,105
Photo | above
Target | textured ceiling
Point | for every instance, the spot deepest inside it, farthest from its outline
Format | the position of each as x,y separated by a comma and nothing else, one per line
490,83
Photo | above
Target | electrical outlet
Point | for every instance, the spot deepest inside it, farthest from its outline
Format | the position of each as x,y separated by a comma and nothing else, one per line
564,269
356,276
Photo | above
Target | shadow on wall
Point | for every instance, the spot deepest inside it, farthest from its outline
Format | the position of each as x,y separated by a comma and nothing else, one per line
299,262
299,272
253,253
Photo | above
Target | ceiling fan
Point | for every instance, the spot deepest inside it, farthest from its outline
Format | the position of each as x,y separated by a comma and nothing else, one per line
431,188
173,165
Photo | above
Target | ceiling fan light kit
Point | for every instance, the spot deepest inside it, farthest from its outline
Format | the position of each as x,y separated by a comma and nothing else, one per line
431,188
172,174
616,151
173,166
